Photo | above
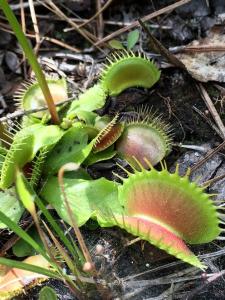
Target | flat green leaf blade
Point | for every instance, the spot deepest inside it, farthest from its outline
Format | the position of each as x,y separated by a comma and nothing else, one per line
132,39
92,99
73,147
47,293
115,44
11,206
86,198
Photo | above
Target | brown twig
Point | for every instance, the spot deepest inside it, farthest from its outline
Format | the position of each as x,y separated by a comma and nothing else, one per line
210,154
100,22
214,127
214,180
86,34
35,25
157,47
21,113
5,28
208,48
211,108
144,19
99,11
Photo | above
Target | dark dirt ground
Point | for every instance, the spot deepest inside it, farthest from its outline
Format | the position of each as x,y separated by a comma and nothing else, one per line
176,97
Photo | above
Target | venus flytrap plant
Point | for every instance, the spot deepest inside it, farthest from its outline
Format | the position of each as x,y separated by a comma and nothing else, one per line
31,58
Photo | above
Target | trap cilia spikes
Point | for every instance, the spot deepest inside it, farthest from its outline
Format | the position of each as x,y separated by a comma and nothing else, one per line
108,135
145,136
30,96
27,142
167,210
125,69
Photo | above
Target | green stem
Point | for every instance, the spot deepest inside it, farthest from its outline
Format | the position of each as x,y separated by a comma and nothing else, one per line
31,58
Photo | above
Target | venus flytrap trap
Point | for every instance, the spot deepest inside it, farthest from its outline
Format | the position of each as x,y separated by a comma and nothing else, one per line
125,70
30,96
145,136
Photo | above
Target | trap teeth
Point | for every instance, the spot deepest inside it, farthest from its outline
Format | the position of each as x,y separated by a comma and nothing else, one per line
125,70
108,135
145,141
31,96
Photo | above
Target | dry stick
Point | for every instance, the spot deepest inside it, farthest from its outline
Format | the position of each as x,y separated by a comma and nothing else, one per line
100,22
20,113
157,47
36,29
97,13
208,156
214,127
211,108
5,28
144,19
87,35
35,25
208,48
213,180
58,12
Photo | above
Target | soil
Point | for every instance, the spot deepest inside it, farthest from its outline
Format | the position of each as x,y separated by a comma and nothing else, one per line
177,99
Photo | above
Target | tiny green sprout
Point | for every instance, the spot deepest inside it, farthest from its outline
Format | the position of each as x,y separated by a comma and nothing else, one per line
132,39
144,137
125,70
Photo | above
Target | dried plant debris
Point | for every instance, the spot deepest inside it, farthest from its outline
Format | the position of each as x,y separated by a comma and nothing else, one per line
205,59
16,280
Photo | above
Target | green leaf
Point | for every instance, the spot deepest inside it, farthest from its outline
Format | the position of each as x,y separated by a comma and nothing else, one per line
23,184
92,99
73,147
115,44
132,39
100,156
86,198
11,206
47,293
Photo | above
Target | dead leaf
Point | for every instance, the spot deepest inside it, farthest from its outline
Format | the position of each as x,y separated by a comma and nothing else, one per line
14,281
205,59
